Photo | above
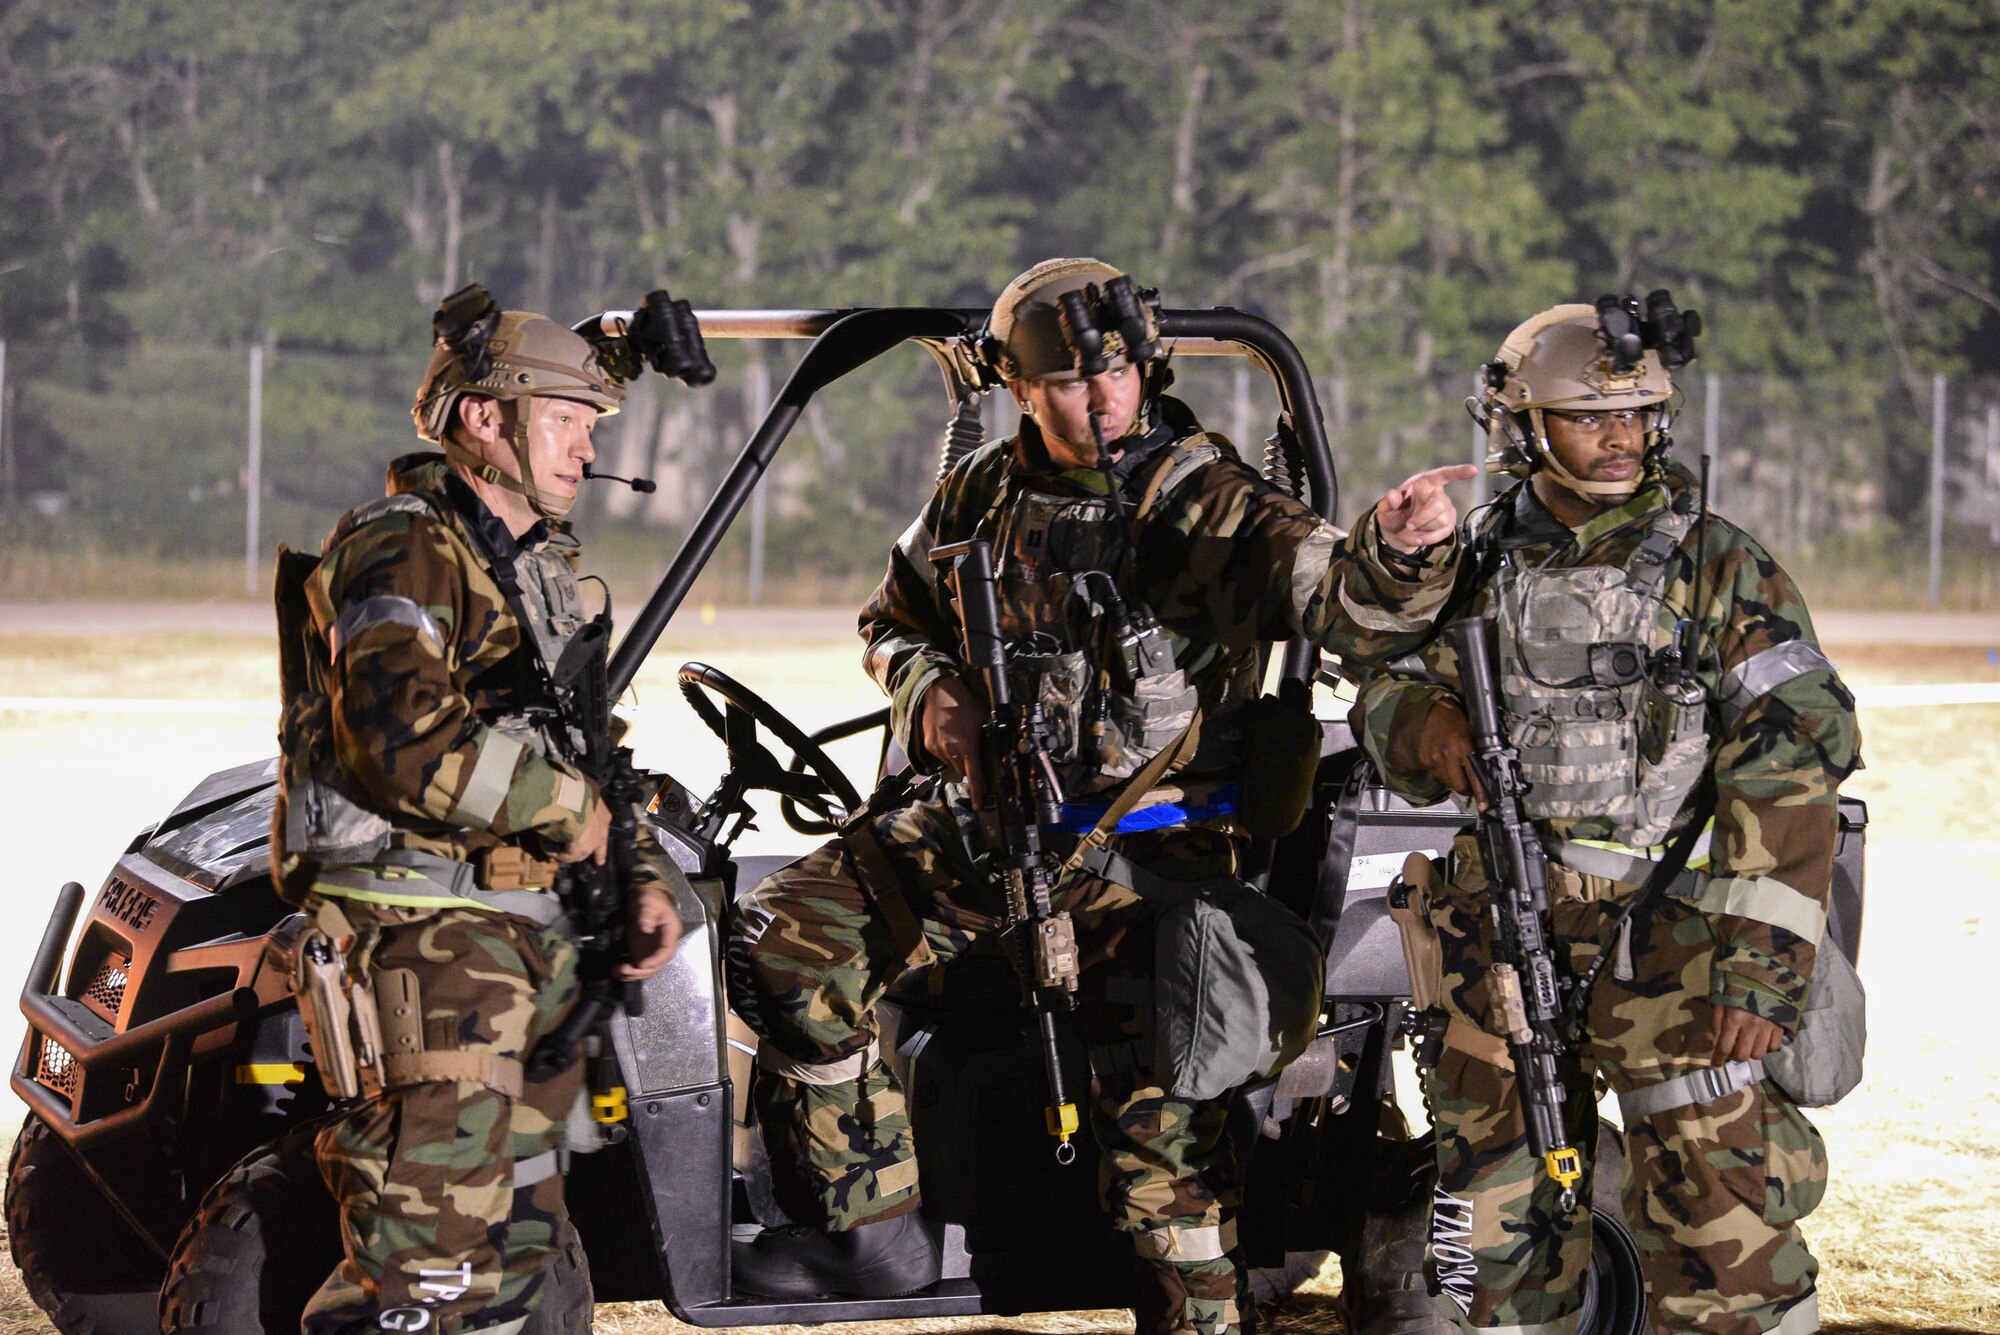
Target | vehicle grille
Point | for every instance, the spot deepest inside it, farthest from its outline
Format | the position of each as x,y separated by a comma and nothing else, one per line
107,986
57,1068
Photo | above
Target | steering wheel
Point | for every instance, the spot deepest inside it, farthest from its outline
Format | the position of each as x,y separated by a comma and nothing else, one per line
821,788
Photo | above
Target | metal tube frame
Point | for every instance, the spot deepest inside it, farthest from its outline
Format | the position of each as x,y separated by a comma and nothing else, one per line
845,340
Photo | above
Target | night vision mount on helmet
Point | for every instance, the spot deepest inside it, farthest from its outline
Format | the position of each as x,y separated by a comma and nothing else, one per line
1614,355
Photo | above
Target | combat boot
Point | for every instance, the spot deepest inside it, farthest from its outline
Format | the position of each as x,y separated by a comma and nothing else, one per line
878,1260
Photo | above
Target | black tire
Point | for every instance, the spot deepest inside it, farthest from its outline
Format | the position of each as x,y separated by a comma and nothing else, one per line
273,1204
1383,1286
80,1261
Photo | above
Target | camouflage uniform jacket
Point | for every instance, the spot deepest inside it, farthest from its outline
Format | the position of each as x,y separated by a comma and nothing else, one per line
1224,560
430,673
1776,757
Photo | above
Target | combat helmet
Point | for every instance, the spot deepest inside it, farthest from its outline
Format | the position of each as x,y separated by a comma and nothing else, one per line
1559,359
510,356
1025,336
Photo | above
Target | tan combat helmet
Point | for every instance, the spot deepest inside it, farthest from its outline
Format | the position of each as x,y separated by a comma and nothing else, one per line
527,355
1024,336
1557,360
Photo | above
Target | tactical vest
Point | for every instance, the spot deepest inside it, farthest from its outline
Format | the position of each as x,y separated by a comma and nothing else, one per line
1083,642
318,822
1598,734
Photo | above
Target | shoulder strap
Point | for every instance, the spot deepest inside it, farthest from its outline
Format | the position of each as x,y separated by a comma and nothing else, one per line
1184,458
1128,797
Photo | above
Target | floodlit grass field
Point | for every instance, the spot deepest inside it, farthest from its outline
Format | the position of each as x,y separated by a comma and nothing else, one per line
1909,1236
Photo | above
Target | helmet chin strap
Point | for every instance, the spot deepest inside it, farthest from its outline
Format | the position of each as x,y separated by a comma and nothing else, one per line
543,504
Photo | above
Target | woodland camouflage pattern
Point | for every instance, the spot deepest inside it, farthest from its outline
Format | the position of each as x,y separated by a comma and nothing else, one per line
1224,561
412,710
424,1175
1715,1189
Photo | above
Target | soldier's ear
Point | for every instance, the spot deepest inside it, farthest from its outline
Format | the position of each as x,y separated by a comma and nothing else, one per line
476,418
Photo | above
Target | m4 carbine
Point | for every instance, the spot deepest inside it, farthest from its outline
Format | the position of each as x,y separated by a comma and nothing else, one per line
598,895
1020,794
1522,986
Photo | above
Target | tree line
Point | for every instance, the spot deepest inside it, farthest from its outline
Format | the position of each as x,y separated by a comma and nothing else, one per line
1395,184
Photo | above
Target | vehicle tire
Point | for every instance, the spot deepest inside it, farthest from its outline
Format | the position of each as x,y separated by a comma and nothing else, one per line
1274,1284
1383,1288
79,1260
226,1279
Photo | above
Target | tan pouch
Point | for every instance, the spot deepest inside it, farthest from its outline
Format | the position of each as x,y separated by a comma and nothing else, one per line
1410,908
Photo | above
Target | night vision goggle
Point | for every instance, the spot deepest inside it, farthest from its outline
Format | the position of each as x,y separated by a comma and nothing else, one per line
1627,328
1098,323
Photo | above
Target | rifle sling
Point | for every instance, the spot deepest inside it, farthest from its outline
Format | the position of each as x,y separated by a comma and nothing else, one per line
1128,797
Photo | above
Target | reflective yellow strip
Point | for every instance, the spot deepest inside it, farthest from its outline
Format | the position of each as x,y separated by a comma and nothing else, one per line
431,901
271,1073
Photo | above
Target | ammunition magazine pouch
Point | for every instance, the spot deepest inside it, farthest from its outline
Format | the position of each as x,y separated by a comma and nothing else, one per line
1238,979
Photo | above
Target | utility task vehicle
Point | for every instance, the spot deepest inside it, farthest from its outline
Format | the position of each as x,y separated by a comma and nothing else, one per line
166,1166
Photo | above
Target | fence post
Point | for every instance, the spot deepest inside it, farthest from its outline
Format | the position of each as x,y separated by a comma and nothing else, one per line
1240,402
1937,489
1711,423
1481,489
254,481
6,437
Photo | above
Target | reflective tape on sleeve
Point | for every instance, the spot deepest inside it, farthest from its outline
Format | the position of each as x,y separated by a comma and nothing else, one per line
915,545
1765,671
1769,900
1309,566
492,776
845,1071
1209,1242
372,612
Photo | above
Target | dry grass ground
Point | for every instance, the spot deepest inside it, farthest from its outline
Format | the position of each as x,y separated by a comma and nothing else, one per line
1909,1234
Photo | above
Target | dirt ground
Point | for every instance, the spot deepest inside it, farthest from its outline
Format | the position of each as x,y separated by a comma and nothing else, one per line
1906,1236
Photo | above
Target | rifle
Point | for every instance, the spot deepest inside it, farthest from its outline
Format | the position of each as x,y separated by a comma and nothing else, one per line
1523,980
596,895
1021,794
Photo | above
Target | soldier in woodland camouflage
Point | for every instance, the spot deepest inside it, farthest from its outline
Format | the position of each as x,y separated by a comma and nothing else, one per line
1176,534
429,794
1603,543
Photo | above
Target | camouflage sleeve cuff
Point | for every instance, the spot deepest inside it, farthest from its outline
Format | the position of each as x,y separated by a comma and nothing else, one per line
1760,999
1387,718
906,711
1405,573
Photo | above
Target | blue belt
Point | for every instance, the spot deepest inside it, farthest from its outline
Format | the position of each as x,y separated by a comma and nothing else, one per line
1082,817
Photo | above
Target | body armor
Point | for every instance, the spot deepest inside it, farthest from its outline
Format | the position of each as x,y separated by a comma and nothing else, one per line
1111,679
319,822
1598,736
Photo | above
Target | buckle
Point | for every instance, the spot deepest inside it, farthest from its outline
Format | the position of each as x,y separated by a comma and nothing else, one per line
511,867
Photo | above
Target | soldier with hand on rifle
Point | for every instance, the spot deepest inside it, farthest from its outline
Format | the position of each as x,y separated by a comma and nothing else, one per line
1069,638
449,808
1631,696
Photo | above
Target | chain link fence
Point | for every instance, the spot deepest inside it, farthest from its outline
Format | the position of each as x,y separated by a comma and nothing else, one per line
135,471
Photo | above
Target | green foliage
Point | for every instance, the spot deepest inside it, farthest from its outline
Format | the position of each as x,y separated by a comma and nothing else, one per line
1396,185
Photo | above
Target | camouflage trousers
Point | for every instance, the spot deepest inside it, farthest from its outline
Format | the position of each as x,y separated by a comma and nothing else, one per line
815,946
436,1235
1714,1190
